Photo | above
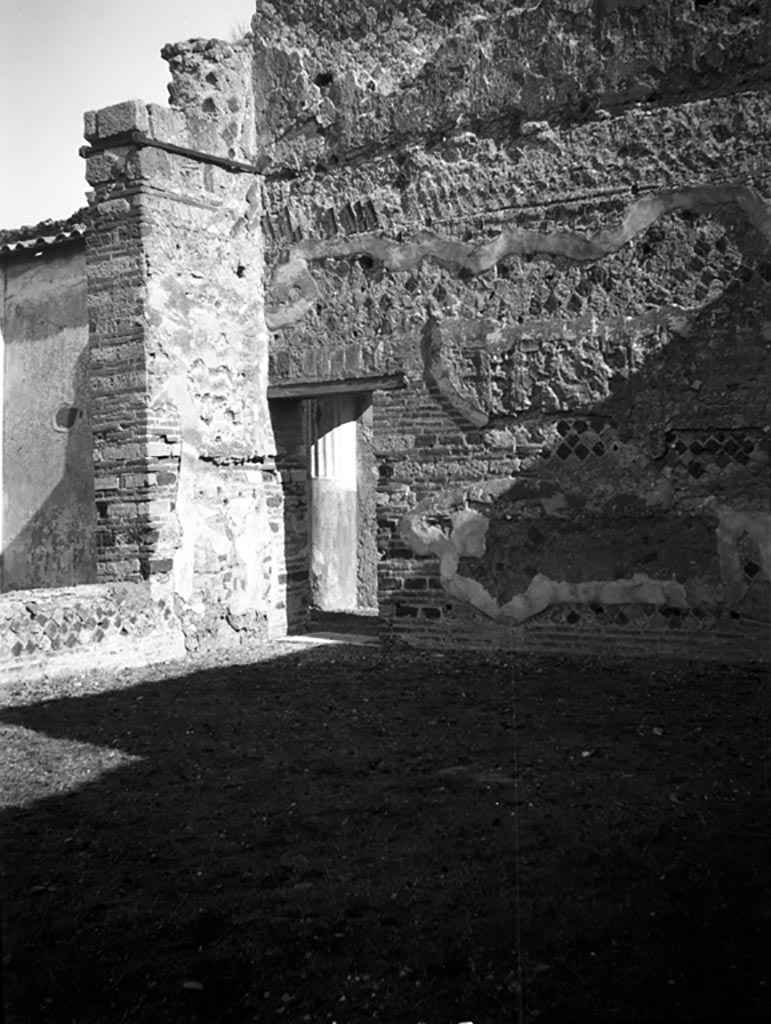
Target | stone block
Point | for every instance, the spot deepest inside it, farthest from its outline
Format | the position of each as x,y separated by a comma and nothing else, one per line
114,209
132,481
167,125
122,117
99,168
152,163
106,483
160,449
89,125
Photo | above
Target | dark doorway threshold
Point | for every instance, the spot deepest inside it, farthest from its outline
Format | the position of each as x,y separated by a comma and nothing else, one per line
358,629
351,623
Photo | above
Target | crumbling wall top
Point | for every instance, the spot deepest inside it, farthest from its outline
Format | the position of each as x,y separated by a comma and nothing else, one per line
211,84
211,105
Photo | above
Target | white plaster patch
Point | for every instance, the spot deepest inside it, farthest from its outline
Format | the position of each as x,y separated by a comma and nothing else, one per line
467,540
469,530
732,523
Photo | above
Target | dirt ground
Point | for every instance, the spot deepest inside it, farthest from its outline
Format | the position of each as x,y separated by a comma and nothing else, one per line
342,834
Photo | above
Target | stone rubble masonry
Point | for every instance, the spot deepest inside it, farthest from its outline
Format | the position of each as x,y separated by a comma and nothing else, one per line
337,84
211,89
555,219
65,630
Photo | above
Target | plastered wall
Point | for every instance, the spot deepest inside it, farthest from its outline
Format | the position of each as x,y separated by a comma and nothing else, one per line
46,459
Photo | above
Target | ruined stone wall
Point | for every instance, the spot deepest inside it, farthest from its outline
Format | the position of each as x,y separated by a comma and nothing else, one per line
340,82
187,490
551,221
555,219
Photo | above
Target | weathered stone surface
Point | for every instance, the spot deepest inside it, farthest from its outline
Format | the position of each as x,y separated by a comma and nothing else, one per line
70,629
553,221
550,217
211,86
180,354
115,120
330,84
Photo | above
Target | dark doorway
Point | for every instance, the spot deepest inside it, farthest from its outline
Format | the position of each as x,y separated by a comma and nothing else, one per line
326,461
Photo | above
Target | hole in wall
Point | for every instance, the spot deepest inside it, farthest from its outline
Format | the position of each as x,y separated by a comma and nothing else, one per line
240,270
66,417
751,570
323,79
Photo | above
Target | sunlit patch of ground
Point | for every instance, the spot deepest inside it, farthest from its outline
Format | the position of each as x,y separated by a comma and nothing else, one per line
36,766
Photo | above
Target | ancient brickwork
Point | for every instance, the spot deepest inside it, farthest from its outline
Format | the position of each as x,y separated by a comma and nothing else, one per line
115,283
367,503
291,435
187,491
569,257
507,270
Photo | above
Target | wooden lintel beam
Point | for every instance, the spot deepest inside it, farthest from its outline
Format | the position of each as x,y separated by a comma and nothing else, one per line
350,386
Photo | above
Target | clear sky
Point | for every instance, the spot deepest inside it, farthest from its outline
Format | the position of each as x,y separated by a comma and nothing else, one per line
59,58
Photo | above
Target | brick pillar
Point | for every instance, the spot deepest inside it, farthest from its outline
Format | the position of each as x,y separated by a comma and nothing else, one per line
116,280
183,444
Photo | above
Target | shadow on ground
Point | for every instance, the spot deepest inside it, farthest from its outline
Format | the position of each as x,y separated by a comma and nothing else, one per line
341,835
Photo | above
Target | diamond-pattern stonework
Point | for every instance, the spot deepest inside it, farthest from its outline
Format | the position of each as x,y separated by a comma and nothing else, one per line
713,452
579,440
646,618
55,622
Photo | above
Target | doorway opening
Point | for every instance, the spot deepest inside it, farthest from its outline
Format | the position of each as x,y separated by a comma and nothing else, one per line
325,456
334,514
